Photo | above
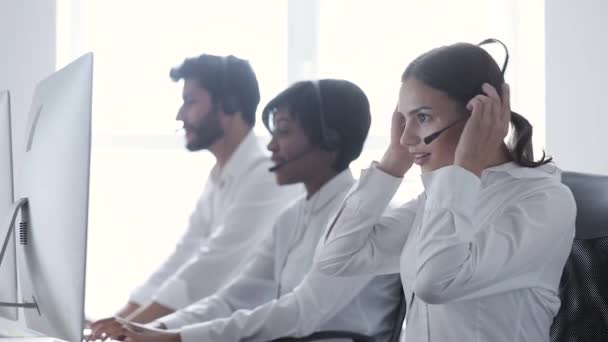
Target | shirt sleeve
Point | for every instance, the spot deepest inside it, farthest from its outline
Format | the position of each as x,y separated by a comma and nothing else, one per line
365,237
457,260
249,219
254,286
299,313
198,230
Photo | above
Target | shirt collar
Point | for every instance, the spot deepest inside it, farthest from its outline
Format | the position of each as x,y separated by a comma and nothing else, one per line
239,162
517,171
341,182
510,169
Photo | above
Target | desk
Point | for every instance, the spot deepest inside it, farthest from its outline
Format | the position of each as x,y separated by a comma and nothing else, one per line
14,331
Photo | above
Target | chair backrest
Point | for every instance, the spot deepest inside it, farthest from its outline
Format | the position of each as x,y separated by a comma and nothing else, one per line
583,315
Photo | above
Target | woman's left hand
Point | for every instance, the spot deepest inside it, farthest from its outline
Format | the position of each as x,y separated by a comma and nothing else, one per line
485,129
136,333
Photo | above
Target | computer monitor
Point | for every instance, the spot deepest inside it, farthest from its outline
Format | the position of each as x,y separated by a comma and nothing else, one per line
53,179
8,284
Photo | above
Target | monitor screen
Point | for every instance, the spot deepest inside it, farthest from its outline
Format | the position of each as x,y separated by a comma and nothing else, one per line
54,178
8,285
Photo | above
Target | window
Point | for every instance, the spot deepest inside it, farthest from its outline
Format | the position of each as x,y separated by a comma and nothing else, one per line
372,42
144,184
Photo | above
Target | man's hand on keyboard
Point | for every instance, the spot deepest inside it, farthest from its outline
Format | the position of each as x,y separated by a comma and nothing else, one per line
100,328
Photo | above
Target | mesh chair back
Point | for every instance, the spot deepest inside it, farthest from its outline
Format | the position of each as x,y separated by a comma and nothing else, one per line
583,316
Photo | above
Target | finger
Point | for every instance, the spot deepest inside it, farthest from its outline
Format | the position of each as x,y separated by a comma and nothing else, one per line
504,117
506,97
489,115
118,333
101,337
496,102
501,125
493,118
114,330
484,120
96,324
397,127
110,334
107,327
98,327
494,108
472,105
489,90
96,333
476,106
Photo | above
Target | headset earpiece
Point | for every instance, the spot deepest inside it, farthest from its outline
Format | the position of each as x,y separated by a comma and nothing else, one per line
331,138
230,103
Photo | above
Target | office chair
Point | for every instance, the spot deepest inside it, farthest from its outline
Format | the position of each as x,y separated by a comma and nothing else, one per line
583,316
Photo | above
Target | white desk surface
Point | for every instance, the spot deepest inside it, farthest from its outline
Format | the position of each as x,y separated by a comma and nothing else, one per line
13,331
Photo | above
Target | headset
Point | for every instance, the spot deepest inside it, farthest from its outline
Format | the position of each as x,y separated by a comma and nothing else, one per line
494,40
230,103
430,138
331,139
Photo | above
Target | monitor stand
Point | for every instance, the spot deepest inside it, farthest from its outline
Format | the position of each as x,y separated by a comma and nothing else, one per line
15,330
19,205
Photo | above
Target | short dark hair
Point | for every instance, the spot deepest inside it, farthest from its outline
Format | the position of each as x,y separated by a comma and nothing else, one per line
459,70
226,79
346,111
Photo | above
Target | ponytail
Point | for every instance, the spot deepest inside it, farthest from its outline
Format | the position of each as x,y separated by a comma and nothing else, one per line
520,145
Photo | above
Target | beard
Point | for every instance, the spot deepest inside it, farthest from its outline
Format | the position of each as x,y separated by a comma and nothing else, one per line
204,134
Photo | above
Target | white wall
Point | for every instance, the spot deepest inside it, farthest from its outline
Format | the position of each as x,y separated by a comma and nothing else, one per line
27,55
27,52
577,88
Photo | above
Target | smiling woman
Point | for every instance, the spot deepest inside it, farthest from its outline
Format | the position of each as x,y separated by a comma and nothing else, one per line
481,251
332,115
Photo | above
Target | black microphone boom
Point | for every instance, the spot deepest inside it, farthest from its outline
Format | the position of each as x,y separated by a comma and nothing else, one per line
278,166
430,138
289,160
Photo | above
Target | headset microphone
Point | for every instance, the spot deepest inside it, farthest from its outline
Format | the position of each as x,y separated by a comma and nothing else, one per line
289,160
430,138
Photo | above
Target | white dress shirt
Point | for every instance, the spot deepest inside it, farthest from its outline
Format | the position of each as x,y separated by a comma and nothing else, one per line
278,295
480,259
238,205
